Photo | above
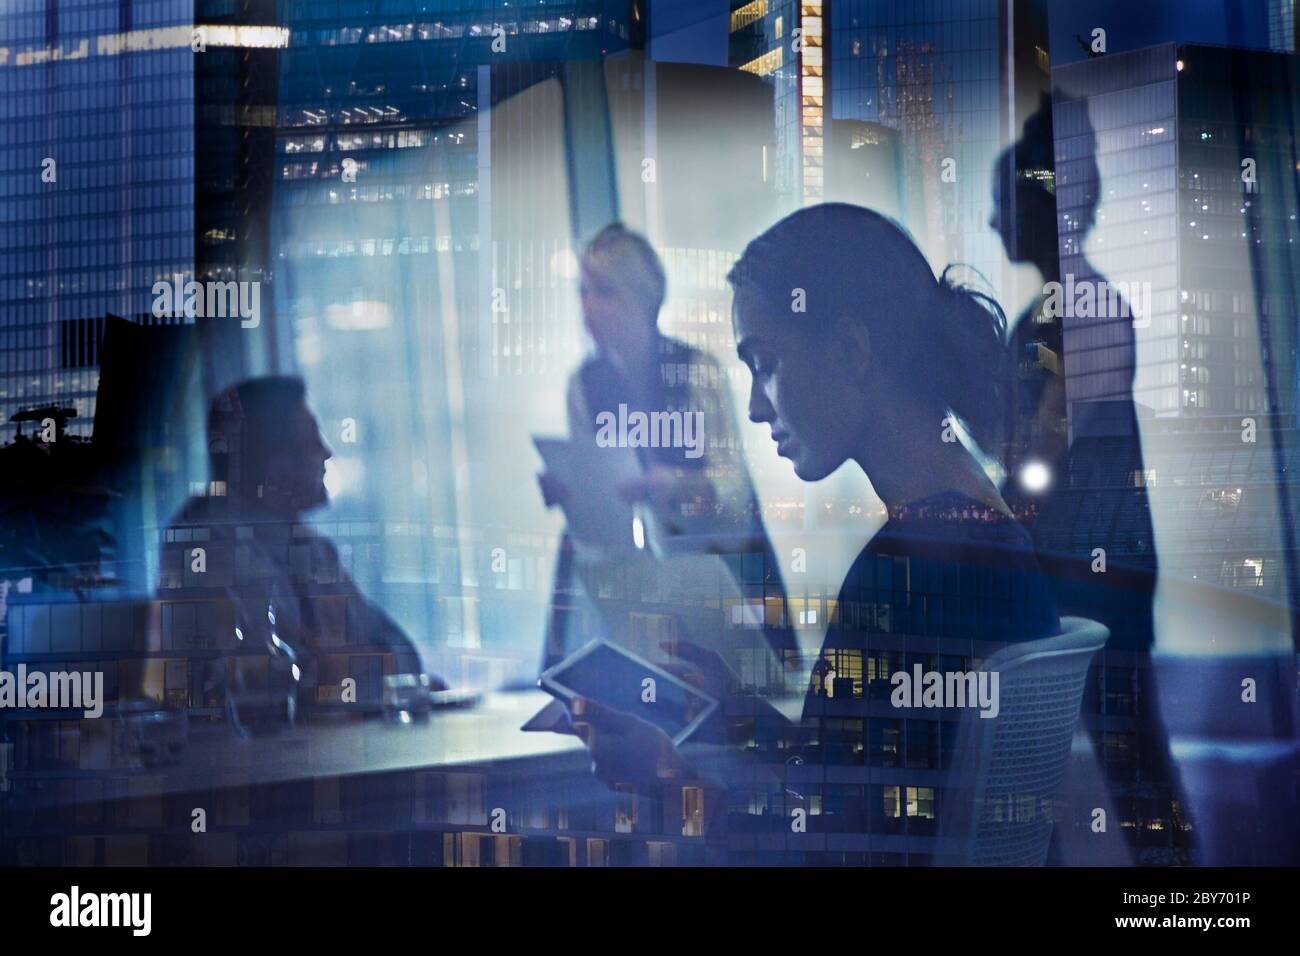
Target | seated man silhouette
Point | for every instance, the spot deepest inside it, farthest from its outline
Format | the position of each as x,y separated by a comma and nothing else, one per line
285,600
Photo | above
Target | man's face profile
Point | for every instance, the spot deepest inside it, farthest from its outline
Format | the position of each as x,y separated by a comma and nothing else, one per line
295,473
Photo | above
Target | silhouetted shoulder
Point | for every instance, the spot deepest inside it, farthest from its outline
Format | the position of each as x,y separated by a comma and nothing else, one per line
952,566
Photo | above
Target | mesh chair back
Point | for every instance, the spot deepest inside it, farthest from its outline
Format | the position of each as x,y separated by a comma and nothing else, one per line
1007,769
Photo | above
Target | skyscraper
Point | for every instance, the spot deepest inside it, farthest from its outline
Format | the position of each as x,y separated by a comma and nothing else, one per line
1185,195
1281,25
1176,203
956,81
98,165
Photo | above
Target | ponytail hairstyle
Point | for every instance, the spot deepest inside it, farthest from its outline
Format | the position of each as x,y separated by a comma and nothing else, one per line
941,339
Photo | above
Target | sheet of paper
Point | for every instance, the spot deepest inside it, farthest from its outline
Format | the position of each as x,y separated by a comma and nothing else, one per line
595,512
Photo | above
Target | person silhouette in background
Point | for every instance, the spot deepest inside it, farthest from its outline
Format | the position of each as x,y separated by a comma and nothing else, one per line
622,288
285,596
1106,441
1024,217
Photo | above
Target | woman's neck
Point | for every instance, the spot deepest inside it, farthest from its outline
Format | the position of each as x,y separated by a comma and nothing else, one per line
915,476
1048,263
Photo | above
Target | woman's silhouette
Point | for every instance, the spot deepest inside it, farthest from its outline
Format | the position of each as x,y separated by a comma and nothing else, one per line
1148,787
890,368
906,375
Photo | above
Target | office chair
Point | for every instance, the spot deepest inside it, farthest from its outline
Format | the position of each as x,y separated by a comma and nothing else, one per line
1006,770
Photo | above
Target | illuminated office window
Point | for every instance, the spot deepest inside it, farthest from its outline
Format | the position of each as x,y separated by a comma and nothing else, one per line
662,854
692,811
892,804
920,802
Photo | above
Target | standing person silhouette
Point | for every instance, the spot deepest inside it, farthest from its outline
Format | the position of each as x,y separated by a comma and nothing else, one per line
622,289
1107,439
1024,217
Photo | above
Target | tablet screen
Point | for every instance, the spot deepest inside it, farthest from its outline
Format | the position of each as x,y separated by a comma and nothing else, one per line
611,676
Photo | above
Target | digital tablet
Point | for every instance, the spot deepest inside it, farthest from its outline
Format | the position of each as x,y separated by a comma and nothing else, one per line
618,679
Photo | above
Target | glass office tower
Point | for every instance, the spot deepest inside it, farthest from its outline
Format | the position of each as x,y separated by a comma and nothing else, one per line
421,221
906,109
1281,25
436,179
1191,191
784,42
105,103
98,173
1176,189
1122,151
955,80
